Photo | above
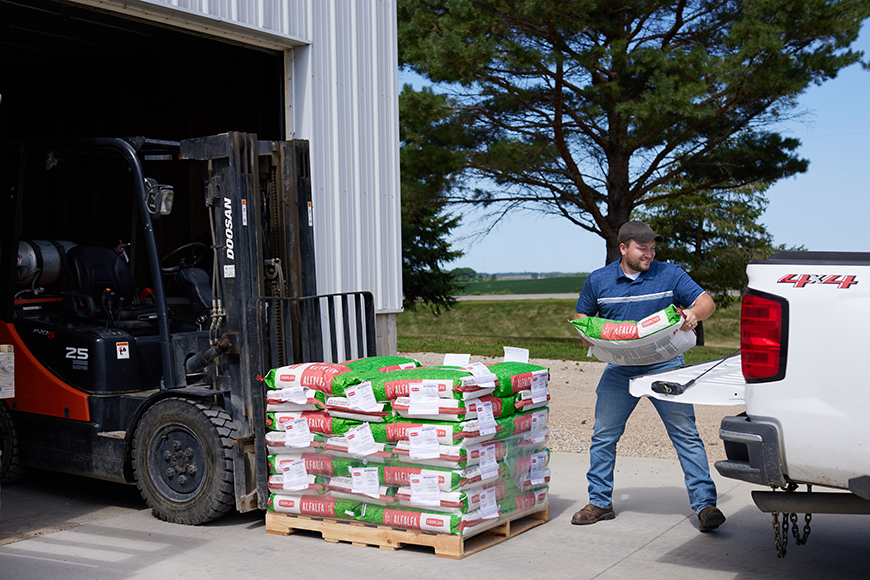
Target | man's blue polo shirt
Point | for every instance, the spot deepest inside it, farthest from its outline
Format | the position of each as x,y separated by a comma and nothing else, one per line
608,293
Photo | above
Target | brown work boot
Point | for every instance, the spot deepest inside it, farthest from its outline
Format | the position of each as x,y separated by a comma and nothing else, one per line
710,518
591,514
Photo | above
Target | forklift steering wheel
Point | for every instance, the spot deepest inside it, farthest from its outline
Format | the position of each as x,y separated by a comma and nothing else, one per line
186,256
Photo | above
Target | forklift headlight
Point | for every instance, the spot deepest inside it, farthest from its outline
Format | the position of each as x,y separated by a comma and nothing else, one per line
158,197
166,199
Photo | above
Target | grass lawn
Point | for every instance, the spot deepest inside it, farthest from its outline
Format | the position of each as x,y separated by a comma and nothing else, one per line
483,327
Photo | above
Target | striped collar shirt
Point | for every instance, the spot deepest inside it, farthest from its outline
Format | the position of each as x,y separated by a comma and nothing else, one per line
609,293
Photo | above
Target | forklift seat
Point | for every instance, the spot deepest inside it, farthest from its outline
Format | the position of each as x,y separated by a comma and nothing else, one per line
103,286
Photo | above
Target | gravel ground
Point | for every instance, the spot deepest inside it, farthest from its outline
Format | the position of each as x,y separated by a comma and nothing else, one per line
572,410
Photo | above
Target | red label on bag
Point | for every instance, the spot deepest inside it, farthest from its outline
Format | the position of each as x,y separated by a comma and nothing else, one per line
317,506
523,423
402,388
499,451
523,464
620,331
521,381
399,431
318,464
320,422
525,502
402,519
496,405
399,475
312,375
402,475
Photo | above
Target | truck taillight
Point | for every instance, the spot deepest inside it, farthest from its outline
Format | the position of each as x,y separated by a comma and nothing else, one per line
763,336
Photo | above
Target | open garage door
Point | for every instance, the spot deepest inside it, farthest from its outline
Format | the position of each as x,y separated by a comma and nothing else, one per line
67,70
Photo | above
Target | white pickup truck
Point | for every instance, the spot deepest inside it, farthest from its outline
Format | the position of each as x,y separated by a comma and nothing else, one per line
804,336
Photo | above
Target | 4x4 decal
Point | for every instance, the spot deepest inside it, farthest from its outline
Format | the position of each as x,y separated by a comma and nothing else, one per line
801,280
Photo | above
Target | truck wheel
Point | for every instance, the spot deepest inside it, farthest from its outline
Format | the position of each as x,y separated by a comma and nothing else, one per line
10,461
183,460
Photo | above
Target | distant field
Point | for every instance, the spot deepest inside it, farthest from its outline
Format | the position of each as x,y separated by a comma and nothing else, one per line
542,326
566,285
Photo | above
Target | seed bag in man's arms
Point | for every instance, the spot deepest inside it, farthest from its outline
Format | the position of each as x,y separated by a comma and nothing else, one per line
656,338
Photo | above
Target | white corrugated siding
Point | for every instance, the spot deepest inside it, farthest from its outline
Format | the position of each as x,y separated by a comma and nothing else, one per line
343,87
352,124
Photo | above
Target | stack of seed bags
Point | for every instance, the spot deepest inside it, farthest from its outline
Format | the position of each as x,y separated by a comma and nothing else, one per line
450,448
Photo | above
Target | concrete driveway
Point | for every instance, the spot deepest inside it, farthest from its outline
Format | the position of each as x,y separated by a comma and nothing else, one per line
61,527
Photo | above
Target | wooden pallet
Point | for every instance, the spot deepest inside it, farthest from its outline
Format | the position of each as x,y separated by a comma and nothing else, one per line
390,538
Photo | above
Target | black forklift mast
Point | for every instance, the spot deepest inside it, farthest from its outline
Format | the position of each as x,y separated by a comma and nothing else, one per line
234,199
265,298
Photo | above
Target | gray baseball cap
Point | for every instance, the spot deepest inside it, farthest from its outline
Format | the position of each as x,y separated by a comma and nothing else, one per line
637,231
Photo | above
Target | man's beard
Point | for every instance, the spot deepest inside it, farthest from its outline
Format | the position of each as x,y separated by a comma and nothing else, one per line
637,265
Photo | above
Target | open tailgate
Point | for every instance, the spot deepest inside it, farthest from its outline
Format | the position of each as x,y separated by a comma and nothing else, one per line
723,383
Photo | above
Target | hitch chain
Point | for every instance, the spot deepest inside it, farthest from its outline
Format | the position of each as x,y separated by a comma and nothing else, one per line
780,534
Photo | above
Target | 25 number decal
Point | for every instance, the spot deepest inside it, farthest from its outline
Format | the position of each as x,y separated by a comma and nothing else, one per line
76,353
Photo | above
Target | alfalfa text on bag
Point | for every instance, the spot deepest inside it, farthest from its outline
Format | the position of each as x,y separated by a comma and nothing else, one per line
314,375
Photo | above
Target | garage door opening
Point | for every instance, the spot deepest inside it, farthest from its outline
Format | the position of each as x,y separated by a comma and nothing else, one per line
70,71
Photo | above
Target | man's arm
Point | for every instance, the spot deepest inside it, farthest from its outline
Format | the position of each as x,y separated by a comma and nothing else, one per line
583,340
700,310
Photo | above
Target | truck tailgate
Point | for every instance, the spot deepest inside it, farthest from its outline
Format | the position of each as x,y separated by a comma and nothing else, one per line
722,385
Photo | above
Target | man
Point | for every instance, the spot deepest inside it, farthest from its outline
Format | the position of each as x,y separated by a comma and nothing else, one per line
631,289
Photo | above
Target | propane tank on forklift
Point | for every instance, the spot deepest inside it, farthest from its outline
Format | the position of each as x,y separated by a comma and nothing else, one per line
41,262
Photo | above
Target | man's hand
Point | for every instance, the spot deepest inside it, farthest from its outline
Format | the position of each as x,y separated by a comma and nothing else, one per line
583,340
700,310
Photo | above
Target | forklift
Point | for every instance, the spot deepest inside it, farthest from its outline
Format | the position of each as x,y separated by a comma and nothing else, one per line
150,286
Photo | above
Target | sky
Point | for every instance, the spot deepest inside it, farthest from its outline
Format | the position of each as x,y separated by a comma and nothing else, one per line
824,209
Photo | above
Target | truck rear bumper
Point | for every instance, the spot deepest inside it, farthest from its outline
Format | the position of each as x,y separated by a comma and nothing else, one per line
753,453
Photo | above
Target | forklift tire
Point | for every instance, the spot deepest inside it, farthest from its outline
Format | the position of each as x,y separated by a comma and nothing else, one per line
10,460
183,460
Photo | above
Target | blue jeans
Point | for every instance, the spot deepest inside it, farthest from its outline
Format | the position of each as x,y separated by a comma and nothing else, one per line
612,409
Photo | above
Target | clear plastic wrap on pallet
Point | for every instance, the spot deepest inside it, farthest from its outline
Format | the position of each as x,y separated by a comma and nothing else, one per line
429,446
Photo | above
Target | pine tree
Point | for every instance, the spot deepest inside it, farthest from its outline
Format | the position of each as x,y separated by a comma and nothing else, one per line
591,109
